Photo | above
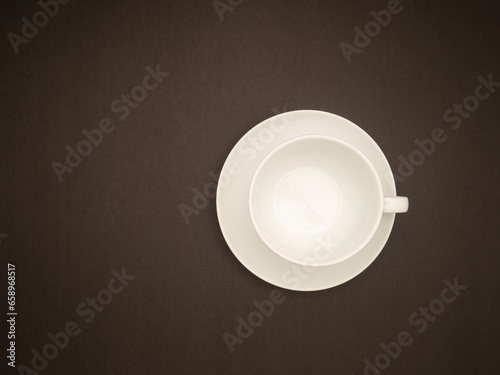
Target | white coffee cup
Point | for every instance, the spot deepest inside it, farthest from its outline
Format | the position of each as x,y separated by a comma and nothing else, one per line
316,200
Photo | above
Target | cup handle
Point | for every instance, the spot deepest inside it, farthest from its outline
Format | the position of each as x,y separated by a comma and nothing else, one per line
395,204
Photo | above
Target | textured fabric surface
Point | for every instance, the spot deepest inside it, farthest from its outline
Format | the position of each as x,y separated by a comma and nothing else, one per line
117,115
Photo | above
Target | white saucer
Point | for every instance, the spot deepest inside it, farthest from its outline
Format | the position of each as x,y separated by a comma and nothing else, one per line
233,195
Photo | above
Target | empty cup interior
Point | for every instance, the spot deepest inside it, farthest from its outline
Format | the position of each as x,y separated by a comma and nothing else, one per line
315,200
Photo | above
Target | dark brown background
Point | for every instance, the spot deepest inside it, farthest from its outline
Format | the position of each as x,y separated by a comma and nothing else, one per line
119,208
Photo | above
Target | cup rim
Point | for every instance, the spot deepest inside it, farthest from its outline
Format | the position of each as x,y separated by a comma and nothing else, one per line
317,262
